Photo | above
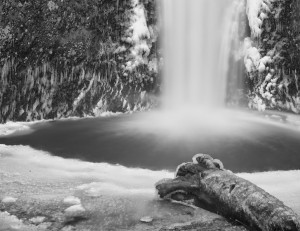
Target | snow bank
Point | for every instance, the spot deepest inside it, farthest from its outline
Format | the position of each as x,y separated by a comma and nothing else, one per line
40,165
12,127
106,179
96,189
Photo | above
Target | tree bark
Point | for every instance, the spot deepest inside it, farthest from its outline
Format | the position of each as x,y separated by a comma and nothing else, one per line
205,183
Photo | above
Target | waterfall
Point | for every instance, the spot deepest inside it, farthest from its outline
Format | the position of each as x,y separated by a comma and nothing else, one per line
196,46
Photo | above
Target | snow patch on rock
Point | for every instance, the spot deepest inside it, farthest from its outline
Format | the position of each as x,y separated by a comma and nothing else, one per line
8,200
37,220
74,210
12,127
71,200
146,219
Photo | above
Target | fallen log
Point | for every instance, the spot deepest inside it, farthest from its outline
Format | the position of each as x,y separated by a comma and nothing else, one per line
205,183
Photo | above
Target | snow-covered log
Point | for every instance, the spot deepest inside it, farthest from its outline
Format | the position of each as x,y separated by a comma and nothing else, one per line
205,183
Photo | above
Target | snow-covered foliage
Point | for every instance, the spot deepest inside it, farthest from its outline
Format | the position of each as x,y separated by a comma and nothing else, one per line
257,103
251,56
272,54
257,11
138,36
253,10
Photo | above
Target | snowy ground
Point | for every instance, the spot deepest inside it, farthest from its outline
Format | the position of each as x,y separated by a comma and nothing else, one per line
34,184
42,192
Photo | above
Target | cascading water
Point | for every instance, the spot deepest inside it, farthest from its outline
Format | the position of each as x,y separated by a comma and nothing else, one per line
197,42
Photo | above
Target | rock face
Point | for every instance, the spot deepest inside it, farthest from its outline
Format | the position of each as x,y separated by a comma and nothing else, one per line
205,183
76,58
272,54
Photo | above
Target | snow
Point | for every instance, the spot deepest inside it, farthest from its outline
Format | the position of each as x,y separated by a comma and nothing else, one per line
24,158
37,220
109,113
10,222
251,56
96,189
138,34
146,219
257,103
28,171
72,200
263,62
74,210
7,200
253,8
12,127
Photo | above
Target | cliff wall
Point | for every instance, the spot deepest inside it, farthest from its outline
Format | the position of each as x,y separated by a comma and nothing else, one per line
61,58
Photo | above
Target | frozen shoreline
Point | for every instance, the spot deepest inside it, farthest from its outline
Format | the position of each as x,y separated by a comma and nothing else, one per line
32,176
10,128
36,178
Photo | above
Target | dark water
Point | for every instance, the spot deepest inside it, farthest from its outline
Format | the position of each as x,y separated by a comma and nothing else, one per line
244,144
